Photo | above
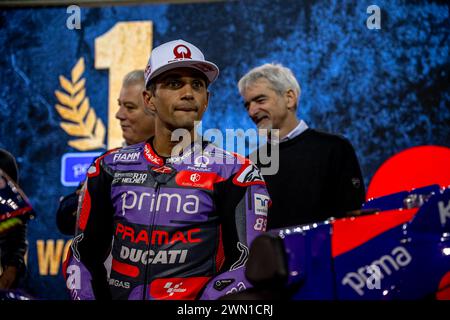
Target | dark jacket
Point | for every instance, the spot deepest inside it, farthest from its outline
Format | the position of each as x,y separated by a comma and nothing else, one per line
319,177
13,244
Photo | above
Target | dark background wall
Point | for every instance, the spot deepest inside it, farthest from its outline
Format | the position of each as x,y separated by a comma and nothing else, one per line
386,90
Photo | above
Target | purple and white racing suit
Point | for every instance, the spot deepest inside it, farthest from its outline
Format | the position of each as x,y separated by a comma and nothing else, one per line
180,227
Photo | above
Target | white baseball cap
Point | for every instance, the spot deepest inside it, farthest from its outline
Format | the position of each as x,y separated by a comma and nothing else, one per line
178,54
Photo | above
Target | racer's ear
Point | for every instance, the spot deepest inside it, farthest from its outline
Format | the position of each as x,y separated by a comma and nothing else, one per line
148,101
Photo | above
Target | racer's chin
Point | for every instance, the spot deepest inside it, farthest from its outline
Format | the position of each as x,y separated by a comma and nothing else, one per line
185,123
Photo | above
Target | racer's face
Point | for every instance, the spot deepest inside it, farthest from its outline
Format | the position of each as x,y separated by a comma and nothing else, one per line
137,123
180,98
266,107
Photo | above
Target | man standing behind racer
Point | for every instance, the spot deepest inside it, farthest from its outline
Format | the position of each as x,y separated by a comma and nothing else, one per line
136,121
177,220
319,175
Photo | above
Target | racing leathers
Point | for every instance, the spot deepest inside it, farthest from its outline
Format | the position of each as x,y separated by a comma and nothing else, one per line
175,223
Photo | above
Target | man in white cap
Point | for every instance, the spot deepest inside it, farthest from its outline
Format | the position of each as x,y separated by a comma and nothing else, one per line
176,79
181,223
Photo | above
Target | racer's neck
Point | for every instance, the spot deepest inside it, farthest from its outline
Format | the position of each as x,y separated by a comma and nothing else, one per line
163,144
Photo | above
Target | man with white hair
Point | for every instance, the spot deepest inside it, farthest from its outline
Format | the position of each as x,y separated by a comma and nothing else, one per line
319,174
136,121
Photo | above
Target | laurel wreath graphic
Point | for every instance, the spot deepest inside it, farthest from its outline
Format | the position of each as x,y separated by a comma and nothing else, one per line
74,107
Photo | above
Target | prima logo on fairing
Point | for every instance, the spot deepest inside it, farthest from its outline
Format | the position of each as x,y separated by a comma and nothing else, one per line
444,212
126,157
150,257
188,204
386,265
129,177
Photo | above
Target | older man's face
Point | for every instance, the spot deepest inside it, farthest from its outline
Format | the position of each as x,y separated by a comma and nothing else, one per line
137,123
265,106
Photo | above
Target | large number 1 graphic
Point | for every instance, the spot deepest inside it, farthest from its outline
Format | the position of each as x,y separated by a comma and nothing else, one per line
125,47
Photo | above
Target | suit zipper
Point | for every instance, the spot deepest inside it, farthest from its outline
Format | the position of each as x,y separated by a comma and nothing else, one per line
151,228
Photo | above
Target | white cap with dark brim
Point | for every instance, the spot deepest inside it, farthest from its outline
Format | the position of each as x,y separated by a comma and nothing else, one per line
178,54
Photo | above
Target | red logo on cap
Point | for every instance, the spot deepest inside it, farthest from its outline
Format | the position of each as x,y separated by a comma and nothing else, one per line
182,52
